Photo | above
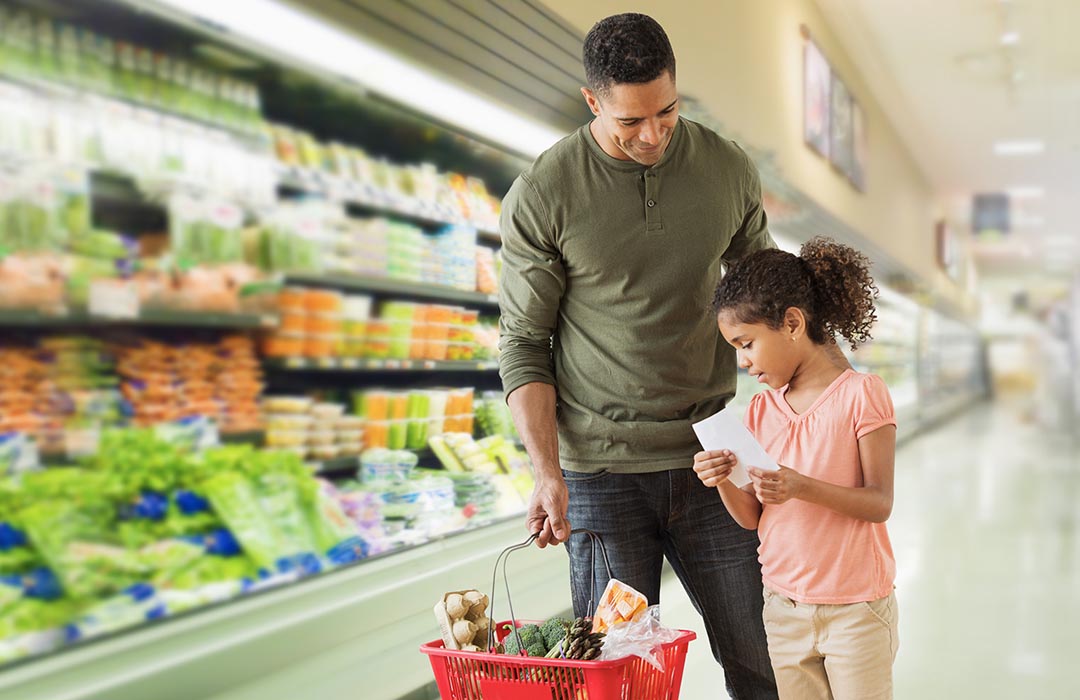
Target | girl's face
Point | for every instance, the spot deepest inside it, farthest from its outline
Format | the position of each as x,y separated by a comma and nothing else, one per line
769,355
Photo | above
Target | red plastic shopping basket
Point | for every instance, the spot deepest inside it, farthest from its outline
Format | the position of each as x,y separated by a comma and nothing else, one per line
464,675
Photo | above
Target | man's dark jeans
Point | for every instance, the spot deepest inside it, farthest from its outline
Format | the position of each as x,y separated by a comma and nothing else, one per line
644,517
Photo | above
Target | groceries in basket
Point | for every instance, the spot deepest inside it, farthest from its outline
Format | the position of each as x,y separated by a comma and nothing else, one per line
556,638
642,636
560,658
620,603
463,620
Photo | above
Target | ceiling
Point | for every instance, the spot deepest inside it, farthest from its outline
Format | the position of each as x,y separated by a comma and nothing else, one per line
953,88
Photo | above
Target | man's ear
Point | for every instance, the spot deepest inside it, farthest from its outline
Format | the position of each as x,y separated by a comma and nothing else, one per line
591,100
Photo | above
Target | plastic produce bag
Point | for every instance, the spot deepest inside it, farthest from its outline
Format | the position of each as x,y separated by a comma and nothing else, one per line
619,603
643,636
280,501
234,500
136,604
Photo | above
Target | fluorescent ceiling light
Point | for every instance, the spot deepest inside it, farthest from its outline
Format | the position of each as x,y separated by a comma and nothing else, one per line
1022,220
1026,192
1010,38
302,36
1060,265
1019,148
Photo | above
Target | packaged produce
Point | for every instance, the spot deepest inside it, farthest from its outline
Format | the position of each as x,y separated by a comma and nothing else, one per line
205,231
166,559
644,637
335,534
460,452
284,344
327,411
138,603
287,404
381,465
288,421
279,498
236,503
620,603
324,452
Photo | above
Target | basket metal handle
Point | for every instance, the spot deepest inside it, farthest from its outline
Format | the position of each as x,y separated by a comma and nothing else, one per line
504,556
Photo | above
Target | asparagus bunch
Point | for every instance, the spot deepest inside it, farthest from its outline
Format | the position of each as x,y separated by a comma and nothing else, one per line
580,642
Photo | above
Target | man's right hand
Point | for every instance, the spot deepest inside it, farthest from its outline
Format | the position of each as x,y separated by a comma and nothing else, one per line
547,512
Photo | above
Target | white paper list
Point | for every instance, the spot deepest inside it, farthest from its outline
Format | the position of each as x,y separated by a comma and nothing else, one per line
725,431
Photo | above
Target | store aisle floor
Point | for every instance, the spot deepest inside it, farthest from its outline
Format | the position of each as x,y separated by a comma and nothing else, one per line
985,532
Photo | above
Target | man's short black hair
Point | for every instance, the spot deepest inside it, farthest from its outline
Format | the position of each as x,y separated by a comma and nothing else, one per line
626,48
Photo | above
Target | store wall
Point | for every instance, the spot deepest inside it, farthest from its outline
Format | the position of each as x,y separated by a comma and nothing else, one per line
743,61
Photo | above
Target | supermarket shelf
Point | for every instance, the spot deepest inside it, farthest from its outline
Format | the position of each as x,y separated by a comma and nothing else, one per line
149,317
365,201
56,89
352,364
348,466
249,437
396,288
339,466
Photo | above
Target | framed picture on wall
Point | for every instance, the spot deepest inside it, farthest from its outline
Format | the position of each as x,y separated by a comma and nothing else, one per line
841,150
817,86
860,147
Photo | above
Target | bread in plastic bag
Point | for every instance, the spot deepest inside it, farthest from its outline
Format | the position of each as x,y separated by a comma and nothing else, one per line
644,636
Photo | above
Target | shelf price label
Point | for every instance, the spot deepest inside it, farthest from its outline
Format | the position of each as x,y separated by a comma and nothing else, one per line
113,299
326,363
295,363
350,363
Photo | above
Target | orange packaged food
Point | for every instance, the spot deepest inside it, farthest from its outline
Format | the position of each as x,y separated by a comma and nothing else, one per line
317,300
284,345
324,324
620,603
398,405
321,345
291,299
293,321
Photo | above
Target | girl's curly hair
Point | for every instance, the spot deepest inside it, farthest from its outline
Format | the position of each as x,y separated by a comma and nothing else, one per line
828,281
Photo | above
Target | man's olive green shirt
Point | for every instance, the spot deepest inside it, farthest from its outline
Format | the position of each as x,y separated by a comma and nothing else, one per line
609,269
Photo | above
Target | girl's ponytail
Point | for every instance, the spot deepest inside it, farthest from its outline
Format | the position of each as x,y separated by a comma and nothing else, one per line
844,291
830,282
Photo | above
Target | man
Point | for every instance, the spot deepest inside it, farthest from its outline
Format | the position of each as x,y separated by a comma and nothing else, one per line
613,242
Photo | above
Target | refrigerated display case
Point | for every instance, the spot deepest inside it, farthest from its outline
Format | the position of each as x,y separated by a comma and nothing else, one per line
892,354
218,179
952,367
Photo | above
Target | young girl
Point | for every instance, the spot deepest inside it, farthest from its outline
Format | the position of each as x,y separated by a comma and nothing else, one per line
827,564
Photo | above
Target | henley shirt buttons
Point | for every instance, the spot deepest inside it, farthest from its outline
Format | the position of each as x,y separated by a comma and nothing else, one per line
651,203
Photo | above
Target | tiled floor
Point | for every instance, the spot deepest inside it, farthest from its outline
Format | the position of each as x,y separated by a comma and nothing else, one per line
985,532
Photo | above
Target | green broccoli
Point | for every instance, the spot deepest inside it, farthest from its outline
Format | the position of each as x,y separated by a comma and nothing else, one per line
531,638
554,631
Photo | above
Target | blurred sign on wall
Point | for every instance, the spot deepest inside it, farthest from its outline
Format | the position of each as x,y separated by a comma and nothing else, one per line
990,215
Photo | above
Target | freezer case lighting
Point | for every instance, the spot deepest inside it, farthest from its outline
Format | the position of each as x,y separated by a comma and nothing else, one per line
288,31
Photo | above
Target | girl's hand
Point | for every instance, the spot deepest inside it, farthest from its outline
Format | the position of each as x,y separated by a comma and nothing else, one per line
714,468
773,488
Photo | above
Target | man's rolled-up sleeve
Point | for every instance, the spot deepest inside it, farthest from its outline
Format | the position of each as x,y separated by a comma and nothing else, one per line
530,289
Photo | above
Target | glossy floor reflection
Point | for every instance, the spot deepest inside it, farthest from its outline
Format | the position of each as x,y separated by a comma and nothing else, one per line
985,532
